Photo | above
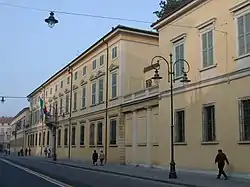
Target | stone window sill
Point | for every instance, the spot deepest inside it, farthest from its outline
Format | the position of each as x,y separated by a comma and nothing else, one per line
82,146
114,98
83,108
244,142
113,145
180,143
210,143
241,57
208,67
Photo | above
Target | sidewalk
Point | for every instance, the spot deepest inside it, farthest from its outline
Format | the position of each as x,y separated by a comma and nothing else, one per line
184,178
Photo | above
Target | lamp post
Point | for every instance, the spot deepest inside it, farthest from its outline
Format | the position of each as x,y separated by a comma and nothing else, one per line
51,20
156,78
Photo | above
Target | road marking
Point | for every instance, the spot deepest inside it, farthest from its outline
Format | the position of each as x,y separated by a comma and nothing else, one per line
49,179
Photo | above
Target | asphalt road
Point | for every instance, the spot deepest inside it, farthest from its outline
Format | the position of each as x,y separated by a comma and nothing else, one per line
16,177
69,175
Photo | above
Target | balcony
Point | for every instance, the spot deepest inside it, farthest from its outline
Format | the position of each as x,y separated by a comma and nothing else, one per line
142,94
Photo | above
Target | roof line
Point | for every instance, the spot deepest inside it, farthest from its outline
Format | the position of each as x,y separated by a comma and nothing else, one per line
117,28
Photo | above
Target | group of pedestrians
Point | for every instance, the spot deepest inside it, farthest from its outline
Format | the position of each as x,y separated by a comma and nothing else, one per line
47,152
27,152
95,158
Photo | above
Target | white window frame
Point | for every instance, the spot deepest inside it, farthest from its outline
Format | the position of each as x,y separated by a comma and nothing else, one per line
111,81
238,15
93,94
204,123
99,90
112,52
176,44
84,98
84,73
102,57
94,67
206,31
75,75
177,138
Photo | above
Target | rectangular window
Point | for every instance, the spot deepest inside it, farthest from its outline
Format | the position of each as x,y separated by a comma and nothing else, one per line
94,65
114,85
61,84
61,105
243,23
180,126
67,104
36,139
178,55
59,137
112,132
93,93
114,52
75,75
75,101
39,139
209,134
148,83
50,90
83,97
101,60
66,136
56,88
68,79
73,136
47,141
84,70
82,134
46,93
99,133
207,49
43,138
92,135
244,111
100,94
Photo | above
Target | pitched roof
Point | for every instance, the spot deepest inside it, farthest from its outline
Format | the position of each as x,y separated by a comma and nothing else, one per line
117,28
4,119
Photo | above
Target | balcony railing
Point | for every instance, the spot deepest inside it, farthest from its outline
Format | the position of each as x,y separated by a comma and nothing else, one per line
148,92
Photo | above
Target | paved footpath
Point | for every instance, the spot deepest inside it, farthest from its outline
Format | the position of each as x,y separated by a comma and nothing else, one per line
184,178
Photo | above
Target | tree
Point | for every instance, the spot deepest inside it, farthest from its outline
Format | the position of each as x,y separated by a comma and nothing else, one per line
168,6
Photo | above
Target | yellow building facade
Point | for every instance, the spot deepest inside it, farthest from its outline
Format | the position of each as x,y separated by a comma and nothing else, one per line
90,120
212,111
19,134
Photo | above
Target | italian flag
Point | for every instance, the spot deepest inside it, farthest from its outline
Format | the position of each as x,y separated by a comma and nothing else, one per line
43,108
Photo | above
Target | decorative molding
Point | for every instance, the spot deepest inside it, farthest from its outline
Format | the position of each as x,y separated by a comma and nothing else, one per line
50,99
179,37
113,67
54,97
99,74
83,82
206,23
60,94
66,90
92,77
239,6
75,87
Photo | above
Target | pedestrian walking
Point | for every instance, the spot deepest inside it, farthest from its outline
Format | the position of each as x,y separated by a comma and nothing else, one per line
101,157
45,151
94,158
221,158
49,152
29,151
26,151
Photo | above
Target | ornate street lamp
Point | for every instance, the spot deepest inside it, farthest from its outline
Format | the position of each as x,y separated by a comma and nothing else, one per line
51,20
157,78
2,99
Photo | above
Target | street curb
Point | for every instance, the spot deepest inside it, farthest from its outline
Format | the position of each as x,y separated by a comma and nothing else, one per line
127,175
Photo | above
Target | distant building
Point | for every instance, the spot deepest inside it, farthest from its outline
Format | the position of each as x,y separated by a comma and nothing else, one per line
18,127
5,132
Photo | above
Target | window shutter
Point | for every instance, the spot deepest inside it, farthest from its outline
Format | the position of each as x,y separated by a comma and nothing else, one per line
176,127
203,125
241,120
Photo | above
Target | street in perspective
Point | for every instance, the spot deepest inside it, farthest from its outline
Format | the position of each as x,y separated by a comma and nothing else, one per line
131,93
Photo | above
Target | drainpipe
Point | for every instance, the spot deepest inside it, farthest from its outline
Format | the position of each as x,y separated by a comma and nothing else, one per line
70,109
106,103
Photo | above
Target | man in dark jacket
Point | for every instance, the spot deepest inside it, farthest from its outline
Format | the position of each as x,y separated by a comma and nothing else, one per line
95,158
221,158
